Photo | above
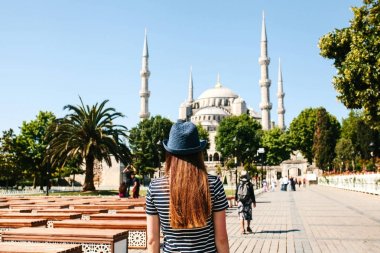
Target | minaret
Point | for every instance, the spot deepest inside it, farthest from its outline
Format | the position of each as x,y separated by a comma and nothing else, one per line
280,96
264,82
144,91
190,96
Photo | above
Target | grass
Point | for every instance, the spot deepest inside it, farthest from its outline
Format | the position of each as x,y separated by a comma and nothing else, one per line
229,192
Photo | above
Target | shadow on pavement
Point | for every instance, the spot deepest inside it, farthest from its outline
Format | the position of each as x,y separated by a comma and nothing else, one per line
277,231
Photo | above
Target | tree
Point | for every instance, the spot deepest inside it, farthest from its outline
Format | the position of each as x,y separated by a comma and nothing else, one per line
73,167
356,129
31,145
145,143
361,135
10,172
203,135
277,146
90,133
356,53
238,136
327,131
301,132
344,151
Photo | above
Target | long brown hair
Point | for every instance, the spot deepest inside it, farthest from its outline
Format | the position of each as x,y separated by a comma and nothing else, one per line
190,199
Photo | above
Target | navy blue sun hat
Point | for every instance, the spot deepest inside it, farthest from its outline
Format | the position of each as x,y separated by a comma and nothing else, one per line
184,139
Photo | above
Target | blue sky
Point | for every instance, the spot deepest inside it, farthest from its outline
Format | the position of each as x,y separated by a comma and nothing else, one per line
52,52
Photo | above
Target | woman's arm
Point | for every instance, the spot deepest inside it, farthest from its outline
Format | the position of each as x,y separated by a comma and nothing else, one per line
153,233
221,237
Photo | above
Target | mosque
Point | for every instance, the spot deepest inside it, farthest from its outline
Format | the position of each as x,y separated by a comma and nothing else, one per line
218,102
213,105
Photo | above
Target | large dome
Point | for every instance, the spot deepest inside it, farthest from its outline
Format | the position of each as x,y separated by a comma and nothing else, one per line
218,92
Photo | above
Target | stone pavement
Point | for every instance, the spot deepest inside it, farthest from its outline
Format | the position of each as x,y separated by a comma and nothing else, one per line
312,219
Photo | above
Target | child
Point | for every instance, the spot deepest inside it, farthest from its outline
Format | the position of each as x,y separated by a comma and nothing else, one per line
122,190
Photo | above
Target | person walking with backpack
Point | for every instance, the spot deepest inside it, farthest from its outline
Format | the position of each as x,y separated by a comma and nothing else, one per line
245,196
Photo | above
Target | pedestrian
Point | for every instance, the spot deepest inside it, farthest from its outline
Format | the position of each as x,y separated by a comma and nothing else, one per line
187,203
245,196
285,182
122,190
128,180
282,184
265,185
299,182
293,184
135,186
273,185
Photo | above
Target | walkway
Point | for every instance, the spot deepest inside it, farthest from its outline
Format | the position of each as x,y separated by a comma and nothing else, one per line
313,219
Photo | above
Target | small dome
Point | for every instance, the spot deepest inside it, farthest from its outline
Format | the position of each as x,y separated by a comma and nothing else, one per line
254,114
211,111
238,100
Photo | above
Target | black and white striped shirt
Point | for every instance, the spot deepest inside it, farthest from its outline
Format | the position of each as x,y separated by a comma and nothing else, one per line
185,240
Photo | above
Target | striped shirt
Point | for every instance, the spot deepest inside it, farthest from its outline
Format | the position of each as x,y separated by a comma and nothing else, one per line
185,240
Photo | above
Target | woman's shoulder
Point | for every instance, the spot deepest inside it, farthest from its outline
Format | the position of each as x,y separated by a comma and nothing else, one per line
213,180
212,177
158,181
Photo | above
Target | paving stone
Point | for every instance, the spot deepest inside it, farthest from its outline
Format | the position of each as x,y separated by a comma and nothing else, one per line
316,219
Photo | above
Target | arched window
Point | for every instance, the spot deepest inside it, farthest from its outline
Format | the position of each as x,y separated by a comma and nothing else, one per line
216,157
210,158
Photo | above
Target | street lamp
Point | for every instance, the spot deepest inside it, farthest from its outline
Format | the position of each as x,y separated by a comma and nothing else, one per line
371,148
47,180
261,151
47,172
159,157
235,163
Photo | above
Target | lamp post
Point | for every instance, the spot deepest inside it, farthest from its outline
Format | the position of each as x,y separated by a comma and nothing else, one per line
371,148
47,172
261,151
236,169
235,162
47,180
159,157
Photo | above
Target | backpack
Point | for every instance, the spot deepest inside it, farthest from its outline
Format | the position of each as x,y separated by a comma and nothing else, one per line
243,193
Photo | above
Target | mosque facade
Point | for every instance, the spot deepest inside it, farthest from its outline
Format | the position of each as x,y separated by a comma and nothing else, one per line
212,106
219,102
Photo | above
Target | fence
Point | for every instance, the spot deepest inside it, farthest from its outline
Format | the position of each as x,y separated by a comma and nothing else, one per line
368,183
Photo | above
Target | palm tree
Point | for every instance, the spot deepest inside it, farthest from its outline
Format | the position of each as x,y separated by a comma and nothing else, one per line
88,132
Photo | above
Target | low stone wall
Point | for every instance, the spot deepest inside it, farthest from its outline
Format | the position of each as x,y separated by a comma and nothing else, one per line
11,192
368,183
